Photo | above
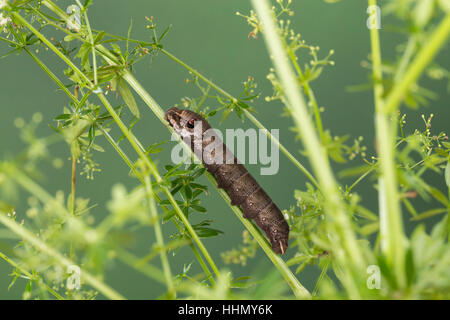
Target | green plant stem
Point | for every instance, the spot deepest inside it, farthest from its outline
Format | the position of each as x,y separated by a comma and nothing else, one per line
146,269
10,42
51,74
323,273
148,100
41,37
30,276
422,59
309,92
348,254
405,60
365,174
72,204
160,239
60,259
391,225
91,39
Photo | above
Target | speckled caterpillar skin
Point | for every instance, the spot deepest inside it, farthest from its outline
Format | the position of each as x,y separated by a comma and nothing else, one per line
233,177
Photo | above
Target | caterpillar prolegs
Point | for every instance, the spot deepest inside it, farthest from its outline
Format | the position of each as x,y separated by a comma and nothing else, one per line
231,176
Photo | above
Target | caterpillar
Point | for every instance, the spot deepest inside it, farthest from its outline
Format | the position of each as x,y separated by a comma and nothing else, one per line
231,175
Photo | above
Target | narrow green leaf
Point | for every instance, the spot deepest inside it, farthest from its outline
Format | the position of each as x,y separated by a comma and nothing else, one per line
164,33
99,36
128,97
91,135
429,213
63,117
439,196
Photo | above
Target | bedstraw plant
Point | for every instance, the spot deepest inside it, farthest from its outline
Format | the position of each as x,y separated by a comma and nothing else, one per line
63,251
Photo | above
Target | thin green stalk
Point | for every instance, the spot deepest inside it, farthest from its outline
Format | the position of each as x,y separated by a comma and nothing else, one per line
41,37
365,174
391,225
30,276
322,275
422,59
406,58
50,74
148,100
160,238
91,39
146,269
309,92
59,258
343,235
11,42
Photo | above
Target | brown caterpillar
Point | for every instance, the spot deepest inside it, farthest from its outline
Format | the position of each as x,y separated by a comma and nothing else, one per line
231,176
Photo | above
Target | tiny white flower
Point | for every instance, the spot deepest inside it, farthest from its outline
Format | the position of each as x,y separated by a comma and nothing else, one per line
3,3
74,21
3,20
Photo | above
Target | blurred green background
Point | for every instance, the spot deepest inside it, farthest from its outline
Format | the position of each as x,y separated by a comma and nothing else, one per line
210,37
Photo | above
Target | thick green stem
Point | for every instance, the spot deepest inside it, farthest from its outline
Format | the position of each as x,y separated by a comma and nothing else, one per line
160,238
391,224
340,228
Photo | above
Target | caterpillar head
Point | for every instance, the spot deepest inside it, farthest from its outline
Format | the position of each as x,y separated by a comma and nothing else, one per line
279,238
186,122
